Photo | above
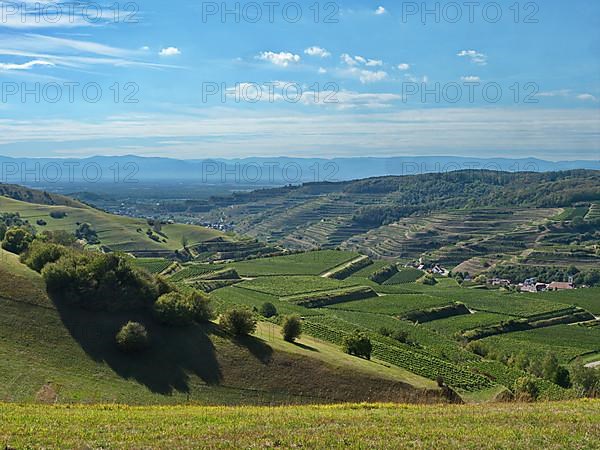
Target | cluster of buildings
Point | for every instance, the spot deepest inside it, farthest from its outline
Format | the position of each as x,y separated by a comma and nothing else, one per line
533,285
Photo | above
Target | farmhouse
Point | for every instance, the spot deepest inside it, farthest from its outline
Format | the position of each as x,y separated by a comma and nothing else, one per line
533,287
500,282
560,286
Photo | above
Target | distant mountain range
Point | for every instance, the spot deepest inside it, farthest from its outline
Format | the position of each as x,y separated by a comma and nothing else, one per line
256,171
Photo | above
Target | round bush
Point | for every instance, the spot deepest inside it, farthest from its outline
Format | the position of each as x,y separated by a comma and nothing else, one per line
17,240
526,389
238,321
174,309
358,344
292,328
99,282
202,310
268,310
42,253
132,338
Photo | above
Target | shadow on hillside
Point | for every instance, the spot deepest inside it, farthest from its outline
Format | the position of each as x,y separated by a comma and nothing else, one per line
306,347
258,348
165,367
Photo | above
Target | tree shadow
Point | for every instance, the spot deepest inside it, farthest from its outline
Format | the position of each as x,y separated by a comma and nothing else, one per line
174,352
257,347
306,347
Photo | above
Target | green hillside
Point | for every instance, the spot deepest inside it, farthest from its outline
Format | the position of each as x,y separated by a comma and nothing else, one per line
116,232
52,353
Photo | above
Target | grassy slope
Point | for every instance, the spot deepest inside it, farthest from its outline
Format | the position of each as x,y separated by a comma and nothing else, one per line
114,231
71,355
544,425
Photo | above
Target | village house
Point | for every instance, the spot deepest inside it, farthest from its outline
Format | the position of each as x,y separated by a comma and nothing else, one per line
533,287
500,282
560,286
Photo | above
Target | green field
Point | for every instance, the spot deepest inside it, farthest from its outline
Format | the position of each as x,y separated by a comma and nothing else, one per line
117,232
452,325
311,263
282,286
585,298
407,275
573,424
394,304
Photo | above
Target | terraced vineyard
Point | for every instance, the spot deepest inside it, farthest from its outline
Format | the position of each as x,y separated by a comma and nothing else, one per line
310,263
394,304
566,341
594,212
406,275
431,350
282,286
194,270
457,324
423,364
152,265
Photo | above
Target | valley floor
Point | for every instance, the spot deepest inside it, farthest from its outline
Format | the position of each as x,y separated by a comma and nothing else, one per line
560,425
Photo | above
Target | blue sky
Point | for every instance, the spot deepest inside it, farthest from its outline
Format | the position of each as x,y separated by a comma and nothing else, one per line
358,78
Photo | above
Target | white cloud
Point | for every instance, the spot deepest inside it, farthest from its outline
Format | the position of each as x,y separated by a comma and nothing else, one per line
568,94
322,70
317,51
348,60
380,10
470,79
414,79
282,59
587,97
223,132
72,53
557,93
403,66
145,48
25,66
368,76
475,56
170,51
353,61
353,100
364,75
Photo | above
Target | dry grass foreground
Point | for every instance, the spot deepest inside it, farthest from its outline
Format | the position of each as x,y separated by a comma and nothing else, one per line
561,425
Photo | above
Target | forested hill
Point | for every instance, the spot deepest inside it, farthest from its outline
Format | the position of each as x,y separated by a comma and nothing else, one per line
395,197
25,194
405,216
